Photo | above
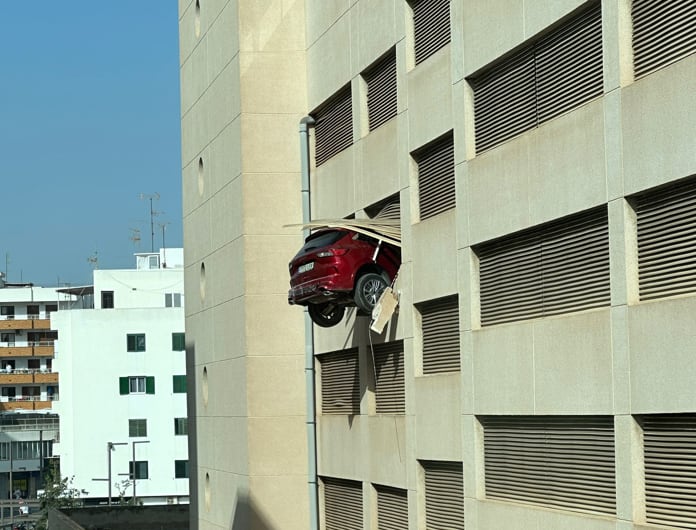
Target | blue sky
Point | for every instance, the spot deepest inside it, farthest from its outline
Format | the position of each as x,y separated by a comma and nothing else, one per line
89,121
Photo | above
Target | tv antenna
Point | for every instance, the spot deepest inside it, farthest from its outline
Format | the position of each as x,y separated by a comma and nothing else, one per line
94,260
163,226
153,213
135,236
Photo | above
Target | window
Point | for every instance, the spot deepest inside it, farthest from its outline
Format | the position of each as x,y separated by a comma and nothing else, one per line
172,299
431,27
153,262
342,504
333,129
340,382
135,342
436,191
33,450
444,495
8,311
181,426
669,443
440,332
662,33
51,308
551,75
666,240
33,364
381,90
31,391
558,267
178,342
8,391
137,428
107,299
392,508
137,385
389,369
9,338
179,384
33,311
141,469
564,462
181,469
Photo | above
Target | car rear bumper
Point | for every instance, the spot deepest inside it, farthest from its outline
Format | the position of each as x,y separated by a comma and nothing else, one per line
322,289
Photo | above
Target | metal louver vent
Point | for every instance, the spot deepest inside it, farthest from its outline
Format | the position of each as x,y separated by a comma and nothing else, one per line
340,383
669,445
559,267
667,240
444,495
663,32
333,130
562,462
436,191
552,75
389,367
342,504
381,90
392,508
431,27
440,330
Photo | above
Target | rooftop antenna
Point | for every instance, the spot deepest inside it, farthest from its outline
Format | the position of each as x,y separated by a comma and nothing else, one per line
94,260
156,197
163,226
7,263
135,236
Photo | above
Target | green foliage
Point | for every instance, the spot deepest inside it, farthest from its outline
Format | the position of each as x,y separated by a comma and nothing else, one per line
58,493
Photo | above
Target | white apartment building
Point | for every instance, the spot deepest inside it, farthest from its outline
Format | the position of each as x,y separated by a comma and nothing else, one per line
123,404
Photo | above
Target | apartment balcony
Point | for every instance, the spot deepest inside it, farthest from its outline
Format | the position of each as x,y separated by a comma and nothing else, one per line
30,376
30,322
27,349
25,403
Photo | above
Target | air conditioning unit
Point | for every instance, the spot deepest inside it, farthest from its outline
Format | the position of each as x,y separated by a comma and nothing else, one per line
170,500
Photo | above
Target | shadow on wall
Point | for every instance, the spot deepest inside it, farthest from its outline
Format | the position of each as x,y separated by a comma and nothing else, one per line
247,516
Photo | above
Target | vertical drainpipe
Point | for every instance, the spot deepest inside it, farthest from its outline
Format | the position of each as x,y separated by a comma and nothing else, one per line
305,124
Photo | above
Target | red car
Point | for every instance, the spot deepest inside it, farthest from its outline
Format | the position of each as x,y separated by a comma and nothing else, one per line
338,267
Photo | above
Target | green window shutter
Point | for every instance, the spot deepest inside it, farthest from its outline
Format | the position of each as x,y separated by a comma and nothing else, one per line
179,384
123,385
149,385
178,342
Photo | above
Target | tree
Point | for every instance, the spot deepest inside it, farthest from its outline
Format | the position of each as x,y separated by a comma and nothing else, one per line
58,493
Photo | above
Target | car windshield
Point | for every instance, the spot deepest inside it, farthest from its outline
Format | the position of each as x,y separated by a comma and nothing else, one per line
322,239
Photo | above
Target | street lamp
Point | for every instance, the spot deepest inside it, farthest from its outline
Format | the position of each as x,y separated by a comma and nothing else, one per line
135,499
110,446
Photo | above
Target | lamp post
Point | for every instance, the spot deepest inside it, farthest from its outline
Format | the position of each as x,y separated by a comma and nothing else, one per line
135,499
110,446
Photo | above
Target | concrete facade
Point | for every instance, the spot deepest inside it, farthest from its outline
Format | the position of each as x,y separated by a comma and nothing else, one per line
249,72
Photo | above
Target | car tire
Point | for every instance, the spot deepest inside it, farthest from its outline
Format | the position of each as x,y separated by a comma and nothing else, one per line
368,289
326,314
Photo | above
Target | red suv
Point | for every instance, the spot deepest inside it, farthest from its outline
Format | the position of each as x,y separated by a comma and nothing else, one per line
338,267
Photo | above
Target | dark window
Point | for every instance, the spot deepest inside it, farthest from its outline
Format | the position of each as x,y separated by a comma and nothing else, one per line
558,267
51,308
8,311
136,385
180,426
340,382
9,338
179,384
389,368
33,311
551,75
444,495
666,240
381,90
564,462
440,332
178,342
436,191
172,299
135,342
343,504
137,428
333,130
33,364
431,27
181,469
662,33
141,469
107,299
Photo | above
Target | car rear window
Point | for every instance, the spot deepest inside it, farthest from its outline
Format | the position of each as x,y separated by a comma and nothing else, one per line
322,239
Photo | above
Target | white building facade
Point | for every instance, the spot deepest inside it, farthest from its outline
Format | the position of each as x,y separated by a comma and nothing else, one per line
123,405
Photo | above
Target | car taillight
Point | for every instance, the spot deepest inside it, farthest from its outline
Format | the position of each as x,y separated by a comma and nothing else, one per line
332,252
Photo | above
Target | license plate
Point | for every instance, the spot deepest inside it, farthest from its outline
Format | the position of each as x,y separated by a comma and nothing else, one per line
306,267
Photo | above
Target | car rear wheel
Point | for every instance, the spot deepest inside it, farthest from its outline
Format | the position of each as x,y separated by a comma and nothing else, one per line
368,289
326,314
